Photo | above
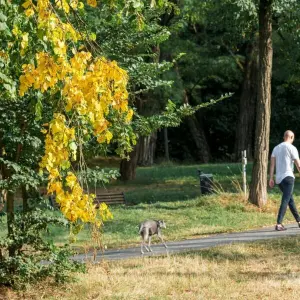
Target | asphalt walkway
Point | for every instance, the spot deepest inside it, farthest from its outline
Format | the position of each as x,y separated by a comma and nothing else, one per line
194,244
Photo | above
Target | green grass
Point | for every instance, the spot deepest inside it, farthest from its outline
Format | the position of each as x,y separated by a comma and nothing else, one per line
260,270
172,192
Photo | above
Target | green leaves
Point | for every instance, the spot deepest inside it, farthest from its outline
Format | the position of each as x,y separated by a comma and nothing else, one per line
171,117
44,258
3,19
20,175
98,176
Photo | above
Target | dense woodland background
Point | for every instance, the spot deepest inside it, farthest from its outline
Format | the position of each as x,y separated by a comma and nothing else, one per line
220,40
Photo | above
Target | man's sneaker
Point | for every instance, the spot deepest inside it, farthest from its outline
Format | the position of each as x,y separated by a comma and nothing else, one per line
280,227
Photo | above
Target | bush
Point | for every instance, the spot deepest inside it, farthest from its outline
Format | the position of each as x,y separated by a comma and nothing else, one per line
26,256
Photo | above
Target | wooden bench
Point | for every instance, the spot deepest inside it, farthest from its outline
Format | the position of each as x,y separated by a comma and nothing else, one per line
108,198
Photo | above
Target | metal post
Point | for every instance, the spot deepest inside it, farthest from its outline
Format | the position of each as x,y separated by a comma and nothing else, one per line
244,162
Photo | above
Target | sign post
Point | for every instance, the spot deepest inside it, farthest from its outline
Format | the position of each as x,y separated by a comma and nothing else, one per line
244,162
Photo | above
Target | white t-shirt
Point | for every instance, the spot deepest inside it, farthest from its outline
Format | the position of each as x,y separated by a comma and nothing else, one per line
285,154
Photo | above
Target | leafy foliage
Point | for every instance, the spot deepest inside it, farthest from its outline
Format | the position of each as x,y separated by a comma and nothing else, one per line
36,258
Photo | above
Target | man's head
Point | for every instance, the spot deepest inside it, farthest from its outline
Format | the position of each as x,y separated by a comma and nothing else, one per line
289,136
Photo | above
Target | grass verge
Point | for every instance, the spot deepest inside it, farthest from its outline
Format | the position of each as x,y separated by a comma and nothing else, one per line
261,270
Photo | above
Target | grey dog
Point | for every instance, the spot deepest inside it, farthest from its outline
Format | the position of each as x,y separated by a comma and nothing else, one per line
149,228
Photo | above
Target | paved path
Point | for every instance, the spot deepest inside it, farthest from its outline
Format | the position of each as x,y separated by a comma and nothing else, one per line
195,244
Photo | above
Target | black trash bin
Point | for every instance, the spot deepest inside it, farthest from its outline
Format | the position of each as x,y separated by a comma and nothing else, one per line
206,183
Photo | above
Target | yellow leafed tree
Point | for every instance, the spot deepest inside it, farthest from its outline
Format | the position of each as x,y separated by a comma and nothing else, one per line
89,88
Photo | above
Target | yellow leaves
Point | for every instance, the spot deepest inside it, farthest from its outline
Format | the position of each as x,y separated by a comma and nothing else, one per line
53,173
29,12
55,187
16,31
129,115
59,147
93,36
60,48
108,136
29,8
92,3
27,4
90,90
4,55
71,180
24,38
44,76
63,4
79,62
26,80
105,212
74,4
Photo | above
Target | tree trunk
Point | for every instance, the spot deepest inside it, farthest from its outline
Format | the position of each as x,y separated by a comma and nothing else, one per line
128,167
10,220
166,144
198,136
244,139
147,145
25,196
10,212
258,187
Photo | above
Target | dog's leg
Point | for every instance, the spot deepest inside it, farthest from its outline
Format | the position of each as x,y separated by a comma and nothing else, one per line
146,237
149,243
162,240
142,243
142,232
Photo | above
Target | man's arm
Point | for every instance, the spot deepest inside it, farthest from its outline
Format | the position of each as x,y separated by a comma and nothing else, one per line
297,163
272,168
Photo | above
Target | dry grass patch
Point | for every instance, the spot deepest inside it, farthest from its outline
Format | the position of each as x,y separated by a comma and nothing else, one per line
264,270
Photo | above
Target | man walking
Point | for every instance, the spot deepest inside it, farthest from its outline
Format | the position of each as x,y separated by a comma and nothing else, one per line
283,157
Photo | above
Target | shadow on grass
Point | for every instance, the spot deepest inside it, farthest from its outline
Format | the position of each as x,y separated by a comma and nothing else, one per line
153,196
274,275
219,255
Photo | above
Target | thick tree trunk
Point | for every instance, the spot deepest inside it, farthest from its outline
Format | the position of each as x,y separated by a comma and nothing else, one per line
244,139
128,167
25,196
258,188
10,220
198,136
10,212
147,146
166,144
200,142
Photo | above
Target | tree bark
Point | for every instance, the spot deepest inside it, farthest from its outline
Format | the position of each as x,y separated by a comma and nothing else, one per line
245,132
10,220
25,196
198,136
166,144
258,187
128,167
10,212
147,146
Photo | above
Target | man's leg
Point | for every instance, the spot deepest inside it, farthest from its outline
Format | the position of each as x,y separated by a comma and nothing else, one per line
286,186
293,209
